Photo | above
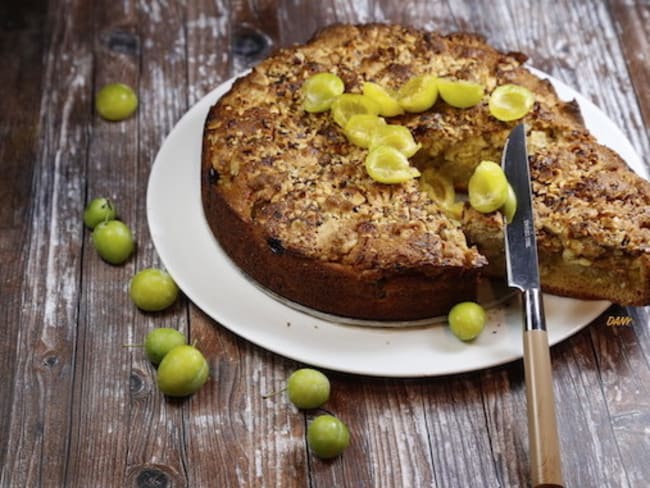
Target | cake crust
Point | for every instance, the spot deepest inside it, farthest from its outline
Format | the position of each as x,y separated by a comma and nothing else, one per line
394,292
288,198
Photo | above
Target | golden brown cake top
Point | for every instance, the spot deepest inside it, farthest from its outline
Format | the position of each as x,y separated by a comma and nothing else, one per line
298,178
588,200
296,175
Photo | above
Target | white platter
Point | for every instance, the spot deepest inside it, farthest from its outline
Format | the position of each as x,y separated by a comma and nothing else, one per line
206,275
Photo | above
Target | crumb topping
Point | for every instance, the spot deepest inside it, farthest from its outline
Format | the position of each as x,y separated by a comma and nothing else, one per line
295,175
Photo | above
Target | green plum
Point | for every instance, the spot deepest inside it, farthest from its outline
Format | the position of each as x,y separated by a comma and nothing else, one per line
467,320
327,436
308,388
183,371
153,290
160,341
113,241
99,210
116,101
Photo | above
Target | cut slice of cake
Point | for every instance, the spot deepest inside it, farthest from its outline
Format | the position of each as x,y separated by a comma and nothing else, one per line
289,200
593,222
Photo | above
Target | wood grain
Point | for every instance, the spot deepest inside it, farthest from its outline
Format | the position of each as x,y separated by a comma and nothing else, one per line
19,132
162,68
80,409
46,347
632,24
105,314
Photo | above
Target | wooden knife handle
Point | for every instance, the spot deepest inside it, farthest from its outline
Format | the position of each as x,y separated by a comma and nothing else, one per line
546,465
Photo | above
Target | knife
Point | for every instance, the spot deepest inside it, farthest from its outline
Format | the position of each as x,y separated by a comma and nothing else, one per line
523,273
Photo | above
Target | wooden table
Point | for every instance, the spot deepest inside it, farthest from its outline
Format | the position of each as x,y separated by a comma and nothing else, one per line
79,409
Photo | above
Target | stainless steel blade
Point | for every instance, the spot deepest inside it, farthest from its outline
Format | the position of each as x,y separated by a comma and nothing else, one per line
521,245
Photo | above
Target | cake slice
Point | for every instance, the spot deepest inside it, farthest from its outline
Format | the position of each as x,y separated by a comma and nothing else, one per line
592,217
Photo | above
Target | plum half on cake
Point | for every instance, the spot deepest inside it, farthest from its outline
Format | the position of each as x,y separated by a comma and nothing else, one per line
289,200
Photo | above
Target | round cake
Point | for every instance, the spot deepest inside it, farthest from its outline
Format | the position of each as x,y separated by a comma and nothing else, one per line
290,201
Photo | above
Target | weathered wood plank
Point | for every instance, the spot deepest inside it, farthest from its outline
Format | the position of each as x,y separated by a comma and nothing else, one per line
632,22
624,374
435,16
299,21
209,57
19,133
254,32
101,397
589,447
629,363
254,441
640,320
261,441
388,428
45,348
157,425
460,443
504,400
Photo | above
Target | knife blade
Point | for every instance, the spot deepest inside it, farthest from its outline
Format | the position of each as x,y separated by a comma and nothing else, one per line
523,273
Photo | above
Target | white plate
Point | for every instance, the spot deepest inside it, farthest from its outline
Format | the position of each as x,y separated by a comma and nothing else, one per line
207,276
